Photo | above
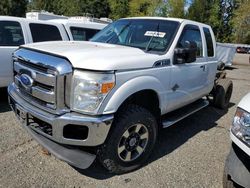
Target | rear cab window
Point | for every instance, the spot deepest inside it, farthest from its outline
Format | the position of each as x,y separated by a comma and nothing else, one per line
209,42
11,33
82,34
44,32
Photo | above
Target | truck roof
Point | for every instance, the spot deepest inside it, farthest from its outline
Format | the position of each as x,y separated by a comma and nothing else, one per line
180,20
156,18
71,21
13,18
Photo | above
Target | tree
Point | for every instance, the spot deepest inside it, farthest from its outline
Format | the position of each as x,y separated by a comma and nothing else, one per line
172,8
47,5
119,8
214,18
4,7
217,13
98,8
227,8
18,7
241,22
200,10
13,7
139,7
66,7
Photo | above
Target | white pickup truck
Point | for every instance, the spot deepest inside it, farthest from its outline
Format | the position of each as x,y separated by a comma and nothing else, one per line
237,168
109,98
16,31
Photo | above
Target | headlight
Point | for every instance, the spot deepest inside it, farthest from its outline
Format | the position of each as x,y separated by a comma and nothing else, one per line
241,125
89,90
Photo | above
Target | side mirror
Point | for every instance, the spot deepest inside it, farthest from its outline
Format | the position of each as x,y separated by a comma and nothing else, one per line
187,54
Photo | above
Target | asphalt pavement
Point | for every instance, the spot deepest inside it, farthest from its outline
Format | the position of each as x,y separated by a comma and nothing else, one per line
189,154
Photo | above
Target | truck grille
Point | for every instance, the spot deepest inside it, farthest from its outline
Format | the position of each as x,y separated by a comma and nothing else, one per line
41,79
43,89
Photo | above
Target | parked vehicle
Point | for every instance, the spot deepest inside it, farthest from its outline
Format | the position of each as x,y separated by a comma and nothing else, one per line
80,30
108,98
16,31
237,168
225,54
242,50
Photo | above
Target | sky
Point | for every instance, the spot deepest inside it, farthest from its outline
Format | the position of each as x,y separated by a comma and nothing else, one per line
187,5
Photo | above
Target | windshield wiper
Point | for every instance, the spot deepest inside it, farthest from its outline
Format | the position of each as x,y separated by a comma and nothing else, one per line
123,29
153,36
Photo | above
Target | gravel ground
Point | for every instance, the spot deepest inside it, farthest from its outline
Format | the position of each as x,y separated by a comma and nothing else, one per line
188,154
241,59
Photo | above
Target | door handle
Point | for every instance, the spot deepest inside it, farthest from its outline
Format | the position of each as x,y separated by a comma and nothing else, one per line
175,87
203,67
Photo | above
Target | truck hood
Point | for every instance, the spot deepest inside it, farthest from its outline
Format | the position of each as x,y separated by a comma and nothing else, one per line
245,103
98,56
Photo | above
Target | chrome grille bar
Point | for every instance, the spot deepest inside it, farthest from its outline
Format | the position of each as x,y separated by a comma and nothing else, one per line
38,92
47,79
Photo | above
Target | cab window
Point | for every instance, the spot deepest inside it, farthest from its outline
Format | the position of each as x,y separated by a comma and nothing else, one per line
11,33
44,32
191,33
209,41
82,34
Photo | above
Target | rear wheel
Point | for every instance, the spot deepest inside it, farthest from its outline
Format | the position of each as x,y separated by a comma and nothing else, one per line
131,140
223,93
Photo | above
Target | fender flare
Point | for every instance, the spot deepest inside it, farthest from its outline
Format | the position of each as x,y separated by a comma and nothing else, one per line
131,87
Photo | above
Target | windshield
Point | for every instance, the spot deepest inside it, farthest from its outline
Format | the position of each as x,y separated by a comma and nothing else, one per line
146,34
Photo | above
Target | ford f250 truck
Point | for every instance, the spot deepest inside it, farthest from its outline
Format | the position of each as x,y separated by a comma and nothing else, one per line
237,168
109,98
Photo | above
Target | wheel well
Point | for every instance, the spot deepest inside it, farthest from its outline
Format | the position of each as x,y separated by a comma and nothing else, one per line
147,99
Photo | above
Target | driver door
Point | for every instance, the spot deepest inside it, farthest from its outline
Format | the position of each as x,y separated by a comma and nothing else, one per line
188,79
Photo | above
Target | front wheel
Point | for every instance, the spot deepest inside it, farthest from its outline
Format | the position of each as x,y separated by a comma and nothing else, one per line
227,183
131,140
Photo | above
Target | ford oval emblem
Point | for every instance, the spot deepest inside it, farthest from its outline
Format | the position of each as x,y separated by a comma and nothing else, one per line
26,80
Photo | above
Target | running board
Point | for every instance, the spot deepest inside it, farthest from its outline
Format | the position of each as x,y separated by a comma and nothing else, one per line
177,115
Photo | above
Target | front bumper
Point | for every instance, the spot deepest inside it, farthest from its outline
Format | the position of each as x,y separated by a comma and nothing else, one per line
56,143
237,166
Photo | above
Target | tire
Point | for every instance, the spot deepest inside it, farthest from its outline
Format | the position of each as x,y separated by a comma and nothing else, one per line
223,93
221,66
227,183
122,151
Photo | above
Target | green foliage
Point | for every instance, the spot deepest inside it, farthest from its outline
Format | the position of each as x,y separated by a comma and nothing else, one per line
241,23
125,8
200,10
13,7
139,7
98,8
217,13
47,5
172,8
4,6
67,8
119,8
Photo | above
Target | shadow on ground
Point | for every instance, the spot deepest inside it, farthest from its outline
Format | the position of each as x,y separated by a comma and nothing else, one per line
230,68
171,138
4,106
